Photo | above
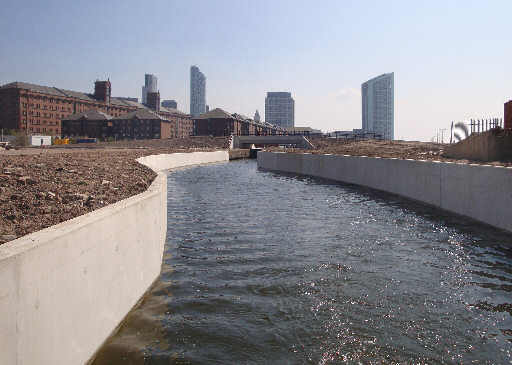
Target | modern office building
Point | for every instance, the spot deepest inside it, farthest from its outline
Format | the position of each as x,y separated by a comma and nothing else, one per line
170,104
197,92
280,109
149,86
377,97
257,116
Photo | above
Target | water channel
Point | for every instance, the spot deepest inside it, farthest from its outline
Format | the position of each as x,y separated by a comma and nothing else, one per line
266,268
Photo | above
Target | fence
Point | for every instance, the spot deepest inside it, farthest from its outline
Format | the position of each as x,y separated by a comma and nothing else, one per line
473,126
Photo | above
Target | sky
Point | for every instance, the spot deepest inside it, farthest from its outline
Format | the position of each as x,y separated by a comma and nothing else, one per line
451,59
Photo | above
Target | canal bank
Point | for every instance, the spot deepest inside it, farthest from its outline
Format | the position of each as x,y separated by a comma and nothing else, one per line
479,192
64,289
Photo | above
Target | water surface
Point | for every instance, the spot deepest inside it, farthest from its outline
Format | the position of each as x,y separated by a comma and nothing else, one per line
265,268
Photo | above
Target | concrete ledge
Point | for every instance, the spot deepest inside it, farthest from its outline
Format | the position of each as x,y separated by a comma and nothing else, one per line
480,192
171,161
64,289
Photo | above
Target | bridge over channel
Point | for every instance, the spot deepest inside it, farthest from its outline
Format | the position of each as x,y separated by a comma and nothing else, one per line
247,141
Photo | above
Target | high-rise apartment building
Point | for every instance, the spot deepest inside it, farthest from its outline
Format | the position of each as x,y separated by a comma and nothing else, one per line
149,86
197,92
257,116
377,97
280,109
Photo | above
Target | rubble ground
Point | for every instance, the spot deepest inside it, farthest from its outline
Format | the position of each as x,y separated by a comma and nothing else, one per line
41,187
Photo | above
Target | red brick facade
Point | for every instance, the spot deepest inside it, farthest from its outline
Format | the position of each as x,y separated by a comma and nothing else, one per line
182,125
508,115
153,101
217,122
34,109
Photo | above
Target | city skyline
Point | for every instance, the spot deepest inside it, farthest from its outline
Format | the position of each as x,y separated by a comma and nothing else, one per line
448,63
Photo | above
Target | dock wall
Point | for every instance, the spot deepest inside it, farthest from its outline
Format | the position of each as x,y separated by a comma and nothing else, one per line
64,289
480,192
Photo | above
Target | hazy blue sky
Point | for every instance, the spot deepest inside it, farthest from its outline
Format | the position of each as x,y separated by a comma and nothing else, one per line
452,59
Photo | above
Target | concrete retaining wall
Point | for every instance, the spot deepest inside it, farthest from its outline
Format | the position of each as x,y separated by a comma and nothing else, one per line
485,146
63,290
171,161
480,192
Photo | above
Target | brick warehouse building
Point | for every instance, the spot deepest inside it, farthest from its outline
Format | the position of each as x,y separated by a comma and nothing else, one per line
91,123
141,124
181,123
217,122
35,109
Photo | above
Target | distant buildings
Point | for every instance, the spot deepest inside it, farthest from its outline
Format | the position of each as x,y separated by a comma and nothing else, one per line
92,123
197,92
257,116
34,109
305,131
153,101
218,122
280,109
149,86
377,97
128,99
170,104
141,124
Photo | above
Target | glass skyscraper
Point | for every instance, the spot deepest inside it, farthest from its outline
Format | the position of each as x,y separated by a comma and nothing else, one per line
149,87
377,97
280,109
197,92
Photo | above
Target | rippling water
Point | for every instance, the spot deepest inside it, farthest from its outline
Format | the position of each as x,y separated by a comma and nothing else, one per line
263,268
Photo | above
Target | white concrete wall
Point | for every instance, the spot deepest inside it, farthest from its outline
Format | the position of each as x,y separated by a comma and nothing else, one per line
171,161
480,192
36,140
64,289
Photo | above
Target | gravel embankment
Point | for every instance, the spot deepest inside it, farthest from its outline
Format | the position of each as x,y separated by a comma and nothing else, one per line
41,187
